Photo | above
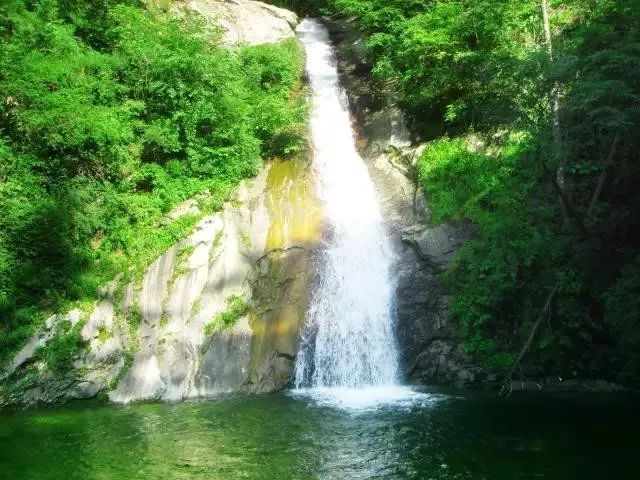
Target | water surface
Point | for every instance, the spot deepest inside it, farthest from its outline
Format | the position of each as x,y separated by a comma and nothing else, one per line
293,436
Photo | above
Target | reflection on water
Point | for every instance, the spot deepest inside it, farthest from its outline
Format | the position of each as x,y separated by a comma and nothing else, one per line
295,436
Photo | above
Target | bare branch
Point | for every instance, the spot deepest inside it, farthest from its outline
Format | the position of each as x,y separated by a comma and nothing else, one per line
506,385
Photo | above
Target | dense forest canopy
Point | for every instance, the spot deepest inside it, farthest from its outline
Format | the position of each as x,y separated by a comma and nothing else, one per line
532,113
111,113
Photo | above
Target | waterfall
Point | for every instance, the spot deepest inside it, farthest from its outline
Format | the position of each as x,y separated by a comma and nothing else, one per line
348,339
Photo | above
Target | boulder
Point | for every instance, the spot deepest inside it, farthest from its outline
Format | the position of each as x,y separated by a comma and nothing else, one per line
247,21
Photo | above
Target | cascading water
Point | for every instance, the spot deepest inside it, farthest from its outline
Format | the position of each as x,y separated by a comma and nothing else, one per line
348,341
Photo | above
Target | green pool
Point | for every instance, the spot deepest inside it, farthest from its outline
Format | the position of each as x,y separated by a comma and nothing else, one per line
442,435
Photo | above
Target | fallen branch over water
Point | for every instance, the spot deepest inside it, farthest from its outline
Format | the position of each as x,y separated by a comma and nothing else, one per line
505,390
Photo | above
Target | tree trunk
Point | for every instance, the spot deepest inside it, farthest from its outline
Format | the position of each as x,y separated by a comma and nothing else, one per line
554,100
547,27
603,176
546,310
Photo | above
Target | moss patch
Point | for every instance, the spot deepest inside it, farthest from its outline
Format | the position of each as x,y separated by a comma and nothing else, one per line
294,209
63,348
236,308
103,334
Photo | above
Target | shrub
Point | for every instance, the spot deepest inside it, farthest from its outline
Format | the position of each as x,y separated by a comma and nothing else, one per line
236,308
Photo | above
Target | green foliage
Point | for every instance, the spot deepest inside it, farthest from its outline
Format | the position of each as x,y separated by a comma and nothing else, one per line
462,183
63,348
134,319
454,64
497,276
111,114
129,357
622,313
304,7
236,308
281,126
103,334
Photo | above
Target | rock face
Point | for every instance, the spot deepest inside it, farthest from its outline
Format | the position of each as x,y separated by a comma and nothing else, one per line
247,21
430,348
151,341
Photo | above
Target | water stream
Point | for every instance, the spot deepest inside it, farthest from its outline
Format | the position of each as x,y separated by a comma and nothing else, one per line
348,343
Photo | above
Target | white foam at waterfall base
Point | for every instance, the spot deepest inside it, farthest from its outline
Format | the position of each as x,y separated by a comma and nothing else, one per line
367,398
348,354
